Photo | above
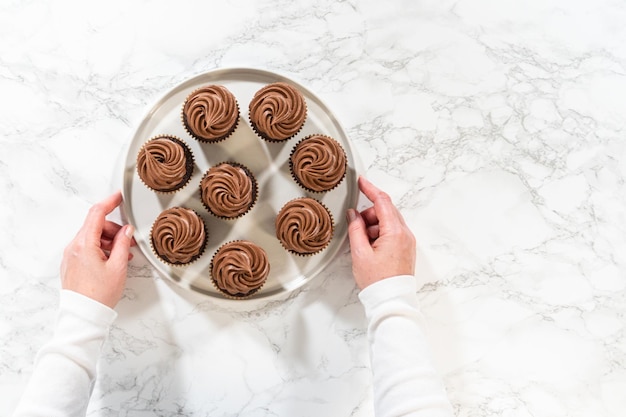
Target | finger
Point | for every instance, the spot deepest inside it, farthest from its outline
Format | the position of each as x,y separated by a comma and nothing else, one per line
109,232
106,244
357,233
369,216
95,220
373,232
110,229
121,246
387,214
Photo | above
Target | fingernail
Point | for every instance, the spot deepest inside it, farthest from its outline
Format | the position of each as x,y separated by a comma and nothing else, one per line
129,231
351,215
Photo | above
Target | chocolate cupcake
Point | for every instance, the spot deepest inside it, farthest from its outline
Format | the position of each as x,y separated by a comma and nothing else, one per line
165,163
228,190
239,268
277,112
178,236
304,226
210,113
318,163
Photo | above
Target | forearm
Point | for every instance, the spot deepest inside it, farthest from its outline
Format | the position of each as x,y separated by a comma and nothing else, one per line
405,380
65,367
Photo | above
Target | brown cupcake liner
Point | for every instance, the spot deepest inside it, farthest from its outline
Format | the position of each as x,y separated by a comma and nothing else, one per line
255,190
225,293
297,180
205,140
272,140
196,257
190,162
332,230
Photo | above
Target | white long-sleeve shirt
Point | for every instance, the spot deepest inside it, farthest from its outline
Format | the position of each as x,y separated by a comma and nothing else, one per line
65,367
405,381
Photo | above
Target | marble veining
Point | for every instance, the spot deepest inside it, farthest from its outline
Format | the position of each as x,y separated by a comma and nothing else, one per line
497,128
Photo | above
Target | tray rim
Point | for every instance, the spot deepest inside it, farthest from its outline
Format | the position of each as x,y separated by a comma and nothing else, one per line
216,73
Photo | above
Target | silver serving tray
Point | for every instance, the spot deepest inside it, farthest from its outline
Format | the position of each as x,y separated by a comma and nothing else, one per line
269,162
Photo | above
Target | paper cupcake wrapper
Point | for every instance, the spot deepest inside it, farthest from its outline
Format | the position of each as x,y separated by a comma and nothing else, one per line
272,140
195,258
190,161
332,230
225,293
205,140
255,191
297,180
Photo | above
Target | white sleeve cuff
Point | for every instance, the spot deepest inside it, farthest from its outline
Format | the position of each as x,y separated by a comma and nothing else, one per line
86,308
387,289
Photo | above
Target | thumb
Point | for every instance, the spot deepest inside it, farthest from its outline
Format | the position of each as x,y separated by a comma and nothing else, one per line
357,232
121,246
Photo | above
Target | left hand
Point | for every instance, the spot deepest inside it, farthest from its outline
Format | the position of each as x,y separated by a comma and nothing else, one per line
96,260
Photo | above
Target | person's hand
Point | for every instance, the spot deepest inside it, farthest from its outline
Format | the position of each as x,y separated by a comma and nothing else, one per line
95,262
381,244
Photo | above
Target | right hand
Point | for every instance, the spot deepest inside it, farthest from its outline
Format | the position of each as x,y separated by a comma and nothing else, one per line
381,244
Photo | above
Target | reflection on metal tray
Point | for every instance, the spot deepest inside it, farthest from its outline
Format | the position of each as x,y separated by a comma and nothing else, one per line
270,164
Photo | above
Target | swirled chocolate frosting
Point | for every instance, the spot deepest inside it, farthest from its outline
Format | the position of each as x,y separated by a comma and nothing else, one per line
304,226
228,190
318,163
240,268
178,235
165,163
277,111
211,113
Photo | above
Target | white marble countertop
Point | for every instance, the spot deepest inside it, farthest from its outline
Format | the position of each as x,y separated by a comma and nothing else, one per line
498,128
